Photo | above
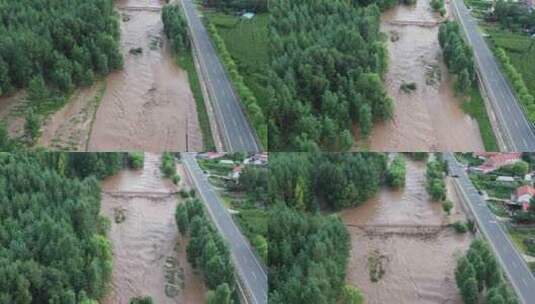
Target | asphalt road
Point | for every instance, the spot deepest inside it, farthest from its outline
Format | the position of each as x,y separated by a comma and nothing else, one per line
513,125
236,132
247,265
512,262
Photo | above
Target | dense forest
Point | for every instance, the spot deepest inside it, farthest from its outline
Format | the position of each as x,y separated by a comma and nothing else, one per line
310,181
480,279
53,247
458,55
513,15
61,43
208,252
327,60
308,256
176,28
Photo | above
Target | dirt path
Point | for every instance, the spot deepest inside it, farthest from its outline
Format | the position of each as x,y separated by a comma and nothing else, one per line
418,264
430,118
148,105
149,255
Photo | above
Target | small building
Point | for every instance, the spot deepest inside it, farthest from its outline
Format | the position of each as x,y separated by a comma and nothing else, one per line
260,159
528,178
523,196
226,162
210,155
236,172
505,179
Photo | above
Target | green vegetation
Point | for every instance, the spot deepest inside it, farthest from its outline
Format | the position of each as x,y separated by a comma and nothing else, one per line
207,250
141,300
54,248
460,227
168,166
308,257
53,47
395,174
435,184
447,205
438,6
458,55
351,295
408,88
176,28
479,277
320,87
237,5
136,160
308,181
526,217
475,107
524,239
248,98
32,127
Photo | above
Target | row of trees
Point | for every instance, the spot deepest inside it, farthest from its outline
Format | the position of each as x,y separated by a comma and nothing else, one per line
62,43
308,181
308,257
176,28
395,174
435,184
457,55
327,60
513,15
53,247
208,251
479,277
249,5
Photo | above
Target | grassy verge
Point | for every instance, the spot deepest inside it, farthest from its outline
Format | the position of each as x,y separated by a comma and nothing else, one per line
519,235
475,107
185,61
242,47
98,99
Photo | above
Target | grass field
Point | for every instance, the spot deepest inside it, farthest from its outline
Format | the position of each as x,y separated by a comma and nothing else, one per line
185,61
247,42
475,107
519,235
520,49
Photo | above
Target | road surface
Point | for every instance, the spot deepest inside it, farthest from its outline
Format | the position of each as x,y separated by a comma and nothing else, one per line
247,265
512,262
236,132
512,123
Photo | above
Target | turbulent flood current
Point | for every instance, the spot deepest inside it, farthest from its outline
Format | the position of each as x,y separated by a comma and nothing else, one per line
149,255
430,118
404,233
148,105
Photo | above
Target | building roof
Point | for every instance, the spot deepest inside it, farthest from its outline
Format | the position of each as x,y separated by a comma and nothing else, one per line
505,179
498,160
520,191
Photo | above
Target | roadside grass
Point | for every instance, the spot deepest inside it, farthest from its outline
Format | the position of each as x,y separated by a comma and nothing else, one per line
185,61
519,235
497,208
475,107
247,42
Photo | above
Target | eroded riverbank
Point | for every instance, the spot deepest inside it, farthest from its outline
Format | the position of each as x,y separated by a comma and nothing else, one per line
430,118
149,255
406,234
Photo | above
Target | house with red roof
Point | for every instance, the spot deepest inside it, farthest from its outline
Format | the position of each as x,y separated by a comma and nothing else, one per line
523,196
494,161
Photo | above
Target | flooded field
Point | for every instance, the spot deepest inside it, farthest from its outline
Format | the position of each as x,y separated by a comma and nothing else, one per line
149,255
398,232
148,105
430,117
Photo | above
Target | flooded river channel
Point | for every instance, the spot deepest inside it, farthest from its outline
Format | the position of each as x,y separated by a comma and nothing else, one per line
148,105
405,232
149,255
429,118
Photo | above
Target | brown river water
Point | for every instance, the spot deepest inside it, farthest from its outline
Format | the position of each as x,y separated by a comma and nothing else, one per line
419,264
147,248
148,105
430,118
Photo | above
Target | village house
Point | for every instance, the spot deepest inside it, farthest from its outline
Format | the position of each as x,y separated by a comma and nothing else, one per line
523,196
494,161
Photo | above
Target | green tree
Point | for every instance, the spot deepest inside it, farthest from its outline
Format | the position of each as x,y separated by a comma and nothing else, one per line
447,205
222,295
520,168
351,295
32,127
37,91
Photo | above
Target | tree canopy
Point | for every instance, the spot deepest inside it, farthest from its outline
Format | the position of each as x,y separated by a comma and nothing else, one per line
63,43
327,60
53,247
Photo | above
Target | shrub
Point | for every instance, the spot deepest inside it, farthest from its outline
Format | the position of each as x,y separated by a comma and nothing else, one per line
460,227
136,160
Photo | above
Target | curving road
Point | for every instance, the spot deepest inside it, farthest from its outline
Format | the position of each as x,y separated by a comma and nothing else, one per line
236,132
513,126
510,259
251,273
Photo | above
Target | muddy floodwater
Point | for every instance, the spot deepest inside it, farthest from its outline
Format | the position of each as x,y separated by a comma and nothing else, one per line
429,118
406,234
148,105
149,255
